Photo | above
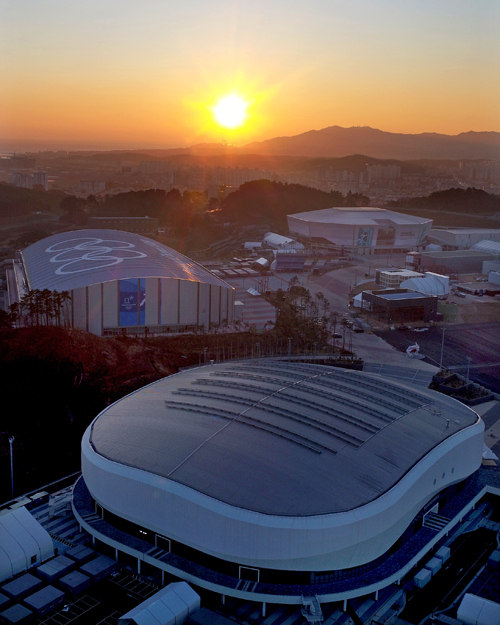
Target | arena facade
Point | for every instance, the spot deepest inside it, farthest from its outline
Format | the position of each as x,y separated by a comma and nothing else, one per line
363,230
270,480
121,282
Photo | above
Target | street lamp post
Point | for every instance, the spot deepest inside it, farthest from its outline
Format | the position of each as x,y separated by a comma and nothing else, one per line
442,350
11,440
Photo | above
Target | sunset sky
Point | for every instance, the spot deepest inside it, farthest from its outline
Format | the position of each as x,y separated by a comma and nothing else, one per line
148,73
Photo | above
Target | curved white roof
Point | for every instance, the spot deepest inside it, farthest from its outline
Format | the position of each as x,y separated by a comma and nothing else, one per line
430,285
491,247
21,538
278,438
71,260
362,215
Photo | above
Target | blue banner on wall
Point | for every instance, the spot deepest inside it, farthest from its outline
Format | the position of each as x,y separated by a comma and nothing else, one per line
129,295
142,301
365,236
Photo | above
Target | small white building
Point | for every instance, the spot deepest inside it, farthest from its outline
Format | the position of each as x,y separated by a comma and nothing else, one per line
279,242
391,279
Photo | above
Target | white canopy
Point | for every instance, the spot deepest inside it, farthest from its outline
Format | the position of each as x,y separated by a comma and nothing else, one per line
172,605
23,542
431,284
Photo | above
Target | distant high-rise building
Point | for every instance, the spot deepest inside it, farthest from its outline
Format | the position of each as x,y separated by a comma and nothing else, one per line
152,167
383,171
40,179
28,181
20,179
91,186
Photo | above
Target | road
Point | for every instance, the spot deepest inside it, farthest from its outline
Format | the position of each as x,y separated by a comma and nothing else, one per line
469,553
478,341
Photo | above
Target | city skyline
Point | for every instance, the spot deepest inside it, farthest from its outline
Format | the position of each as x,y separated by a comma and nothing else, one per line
116,75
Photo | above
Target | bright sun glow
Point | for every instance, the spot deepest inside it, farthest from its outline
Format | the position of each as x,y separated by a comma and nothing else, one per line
230,111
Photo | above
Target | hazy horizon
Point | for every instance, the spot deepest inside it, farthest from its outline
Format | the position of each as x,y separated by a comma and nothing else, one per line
76,146
118,75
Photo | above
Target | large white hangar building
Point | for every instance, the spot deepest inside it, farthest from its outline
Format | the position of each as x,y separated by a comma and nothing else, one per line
270,481
121,282
364,230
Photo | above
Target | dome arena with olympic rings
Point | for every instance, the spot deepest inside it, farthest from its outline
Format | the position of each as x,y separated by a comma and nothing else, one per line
122,283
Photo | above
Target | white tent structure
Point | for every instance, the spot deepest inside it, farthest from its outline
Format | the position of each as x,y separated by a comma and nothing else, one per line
279,242
475,610
172,605
23,542
490,247
431,284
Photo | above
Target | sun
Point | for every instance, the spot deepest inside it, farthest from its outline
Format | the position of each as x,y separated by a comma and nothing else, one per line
230,111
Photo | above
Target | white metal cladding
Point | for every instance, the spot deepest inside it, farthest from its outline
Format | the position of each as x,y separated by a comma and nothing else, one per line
168,302
244,461
323,542
71,260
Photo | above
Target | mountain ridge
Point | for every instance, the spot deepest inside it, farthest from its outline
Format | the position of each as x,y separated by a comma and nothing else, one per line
336,141
339,142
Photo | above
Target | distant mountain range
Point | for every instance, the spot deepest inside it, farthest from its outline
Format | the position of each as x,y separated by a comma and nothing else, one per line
336,141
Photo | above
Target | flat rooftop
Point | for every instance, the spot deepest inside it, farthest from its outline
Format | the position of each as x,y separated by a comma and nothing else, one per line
410,295
288,439
456,254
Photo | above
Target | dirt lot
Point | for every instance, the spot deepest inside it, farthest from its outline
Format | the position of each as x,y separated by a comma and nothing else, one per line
478,341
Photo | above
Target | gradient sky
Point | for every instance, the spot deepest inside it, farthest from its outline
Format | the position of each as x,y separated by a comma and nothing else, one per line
117,73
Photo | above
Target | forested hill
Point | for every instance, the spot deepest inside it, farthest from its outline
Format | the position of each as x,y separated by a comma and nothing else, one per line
263,201
19,201
56,381
470,201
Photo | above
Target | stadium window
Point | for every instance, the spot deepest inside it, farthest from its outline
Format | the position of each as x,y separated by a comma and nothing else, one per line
163,543
249,573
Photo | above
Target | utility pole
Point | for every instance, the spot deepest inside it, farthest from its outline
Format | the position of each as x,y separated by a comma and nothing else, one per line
11,440
442,350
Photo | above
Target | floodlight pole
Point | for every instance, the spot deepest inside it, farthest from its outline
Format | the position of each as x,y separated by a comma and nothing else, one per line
442,350
11,440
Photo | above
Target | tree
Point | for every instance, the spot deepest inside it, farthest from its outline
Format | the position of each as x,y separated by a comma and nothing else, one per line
38,308
350,200
75,208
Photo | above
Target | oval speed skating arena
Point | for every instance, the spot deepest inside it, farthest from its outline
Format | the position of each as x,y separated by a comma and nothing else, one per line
271,480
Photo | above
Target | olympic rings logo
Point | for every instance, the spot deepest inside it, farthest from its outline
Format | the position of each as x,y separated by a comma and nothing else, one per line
96,253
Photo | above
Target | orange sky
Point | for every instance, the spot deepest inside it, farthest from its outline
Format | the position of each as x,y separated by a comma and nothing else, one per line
118,74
